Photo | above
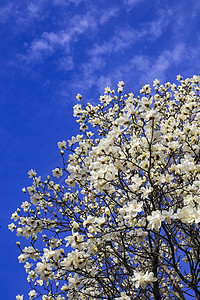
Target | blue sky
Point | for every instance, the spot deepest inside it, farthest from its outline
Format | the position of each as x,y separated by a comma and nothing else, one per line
53,49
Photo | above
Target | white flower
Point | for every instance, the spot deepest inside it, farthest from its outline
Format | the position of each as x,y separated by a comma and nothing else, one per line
32,275
35,199
107,89
25,205
120,84
72,141
11,226
62,145
168,215
179,77
100,221
89,221
48,253
142,279
78,97
22,258
120,89
145,89
132,210
32,173
75,240
156,82
41,268
31,189
15,216
74,282
27,266
186,214
149,278
57,172
18,297
32,294
155,220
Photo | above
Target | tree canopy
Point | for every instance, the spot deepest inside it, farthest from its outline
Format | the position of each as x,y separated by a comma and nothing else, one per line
119,219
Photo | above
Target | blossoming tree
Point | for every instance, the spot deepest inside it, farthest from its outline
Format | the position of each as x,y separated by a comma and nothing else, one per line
121,218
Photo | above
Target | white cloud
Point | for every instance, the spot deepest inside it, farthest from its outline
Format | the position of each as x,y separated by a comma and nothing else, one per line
49,42
26,12
156,27
128,36
5,12
63,40
122,39
149,68
34,9
130,4
76,2
66,63
108,14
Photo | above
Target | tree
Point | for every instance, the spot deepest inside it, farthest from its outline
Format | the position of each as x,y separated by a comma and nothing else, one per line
121,219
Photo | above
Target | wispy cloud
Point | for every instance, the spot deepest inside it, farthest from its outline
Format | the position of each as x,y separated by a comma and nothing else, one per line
66,63
130,4
49,42
26,12
121,40
108,14
5,12
145,69
127,36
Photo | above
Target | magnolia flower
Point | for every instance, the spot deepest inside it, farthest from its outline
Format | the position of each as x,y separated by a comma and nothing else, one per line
132,210
120,84
72,141
186,214
57,172
179,77
15,216
89,221
156,82
11,226
32,294
75,240
107,89
18,297
32,173
42,268
145,89
141,279
155,220
35,199
78,97
25,205
62,145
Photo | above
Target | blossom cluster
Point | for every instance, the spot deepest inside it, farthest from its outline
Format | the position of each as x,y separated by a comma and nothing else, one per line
124,222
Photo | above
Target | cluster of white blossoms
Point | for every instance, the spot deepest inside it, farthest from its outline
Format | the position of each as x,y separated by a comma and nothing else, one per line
124,224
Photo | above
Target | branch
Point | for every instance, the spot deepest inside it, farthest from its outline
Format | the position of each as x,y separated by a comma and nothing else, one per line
173,281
